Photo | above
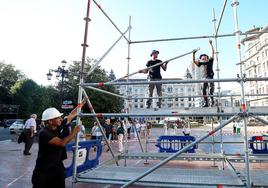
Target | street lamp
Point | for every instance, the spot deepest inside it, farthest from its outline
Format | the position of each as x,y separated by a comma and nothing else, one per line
60,72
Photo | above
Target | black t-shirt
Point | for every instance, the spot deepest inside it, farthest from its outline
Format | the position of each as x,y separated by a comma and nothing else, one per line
50,157
108,128
154,72
209,67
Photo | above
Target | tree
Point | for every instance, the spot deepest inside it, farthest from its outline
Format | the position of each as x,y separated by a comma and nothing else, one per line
33,98
112,75
9,76
101,102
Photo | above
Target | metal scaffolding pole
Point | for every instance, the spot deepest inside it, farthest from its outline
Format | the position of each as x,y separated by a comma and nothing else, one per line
243,103
106,53
216,30
99,124
99,115
107,92
192,96
179,152
101,84
106,15
85,45
158,64
196,37
126,101
222,12
260,119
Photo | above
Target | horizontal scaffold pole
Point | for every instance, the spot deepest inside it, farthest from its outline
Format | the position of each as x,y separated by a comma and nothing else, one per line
135,179
101,84
155,114
100,115
158,64
107,92
193,96
197,37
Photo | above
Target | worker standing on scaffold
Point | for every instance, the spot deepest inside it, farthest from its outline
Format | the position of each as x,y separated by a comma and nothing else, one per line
205,63
154,75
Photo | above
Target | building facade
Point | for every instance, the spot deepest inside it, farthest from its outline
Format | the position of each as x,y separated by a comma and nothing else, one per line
256,65
172,94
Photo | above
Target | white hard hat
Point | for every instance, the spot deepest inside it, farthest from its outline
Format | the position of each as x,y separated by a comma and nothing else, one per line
50,113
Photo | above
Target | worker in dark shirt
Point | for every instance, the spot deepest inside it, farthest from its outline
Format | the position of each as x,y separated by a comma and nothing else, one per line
154,75
49,168
205,64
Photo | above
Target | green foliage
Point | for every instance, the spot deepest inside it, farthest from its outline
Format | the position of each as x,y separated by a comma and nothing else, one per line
9,75
101,102
33,98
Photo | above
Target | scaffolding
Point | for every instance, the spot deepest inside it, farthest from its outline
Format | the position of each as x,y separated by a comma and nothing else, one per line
243,112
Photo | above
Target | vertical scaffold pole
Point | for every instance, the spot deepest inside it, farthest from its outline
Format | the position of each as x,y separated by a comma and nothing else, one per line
84,45
218,73
243,104
127,89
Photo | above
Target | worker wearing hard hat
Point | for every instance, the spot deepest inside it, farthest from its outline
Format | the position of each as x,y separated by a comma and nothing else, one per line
49,168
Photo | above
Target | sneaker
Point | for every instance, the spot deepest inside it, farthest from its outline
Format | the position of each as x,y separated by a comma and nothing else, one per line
148,106
159,104
205,105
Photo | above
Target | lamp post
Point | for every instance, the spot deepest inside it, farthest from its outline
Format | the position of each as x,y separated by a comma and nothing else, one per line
60,72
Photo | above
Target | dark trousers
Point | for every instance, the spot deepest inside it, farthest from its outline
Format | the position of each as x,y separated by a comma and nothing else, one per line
151,90
29,140
44,179
211,89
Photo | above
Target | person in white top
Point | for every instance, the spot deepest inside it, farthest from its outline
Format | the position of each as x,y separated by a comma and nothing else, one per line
29,130
186,128
143,129
165,127
82,133
238,127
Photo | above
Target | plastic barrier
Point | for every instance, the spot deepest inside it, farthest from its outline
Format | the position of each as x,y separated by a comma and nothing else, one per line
83,157
259,144
172,144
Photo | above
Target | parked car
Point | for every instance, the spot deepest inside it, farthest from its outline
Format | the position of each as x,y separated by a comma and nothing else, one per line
8,122
16,127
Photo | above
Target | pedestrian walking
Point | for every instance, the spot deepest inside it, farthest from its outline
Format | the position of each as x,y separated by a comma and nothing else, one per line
82,133
205,63
96,132
165,128
186,128
109,128
238,127
155,75
120,135
234,127
29,130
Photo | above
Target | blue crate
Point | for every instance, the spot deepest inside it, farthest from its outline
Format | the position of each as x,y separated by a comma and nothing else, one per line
87,163
172,144
258,144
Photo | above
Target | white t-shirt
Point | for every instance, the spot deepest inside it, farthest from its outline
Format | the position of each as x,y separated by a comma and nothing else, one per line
30,123
82,133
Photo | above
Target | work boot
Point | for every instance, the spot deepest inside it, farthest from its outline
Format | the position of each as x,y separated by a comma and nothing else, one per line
212,103
205,104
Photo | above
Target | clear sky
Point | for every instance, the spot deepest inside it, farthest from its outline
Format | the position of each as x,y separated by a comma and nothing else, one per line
37,35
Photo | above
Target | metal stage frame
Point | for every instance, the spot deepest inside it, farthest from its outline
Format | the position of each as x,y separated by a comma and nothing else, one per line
146,175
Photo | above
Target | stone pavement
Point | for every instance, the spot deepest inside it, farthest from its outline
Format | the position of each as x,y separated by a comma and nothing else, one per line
16,169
